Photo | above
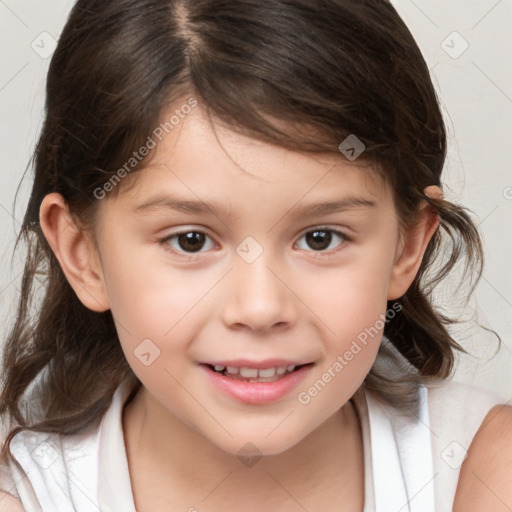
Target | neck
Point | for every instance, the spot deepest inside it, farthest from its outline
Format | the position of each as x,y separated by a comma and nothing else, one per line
162,449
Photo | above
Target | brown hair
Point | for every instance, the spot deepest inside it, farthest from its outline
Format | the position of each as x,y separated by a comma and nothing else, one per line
323,69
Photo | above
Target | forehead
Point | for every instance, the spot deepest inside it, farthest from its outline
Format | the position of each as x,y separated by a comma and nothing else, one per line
201,157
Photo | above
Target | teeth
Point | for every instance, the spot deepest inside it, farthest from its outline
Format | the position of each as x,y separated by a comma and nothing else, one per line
248,373
268,372
254,373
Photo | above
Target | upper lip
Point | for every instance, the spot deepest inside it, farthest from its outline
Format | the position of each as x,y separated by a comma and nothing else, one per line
267,363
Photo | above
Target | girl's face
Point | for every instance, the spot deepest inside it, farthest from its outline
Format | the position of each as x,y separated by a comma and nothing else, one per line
250,256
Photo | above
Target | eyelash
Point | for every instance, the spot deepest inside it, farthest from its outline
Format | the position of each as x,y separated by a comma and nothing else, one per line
192,256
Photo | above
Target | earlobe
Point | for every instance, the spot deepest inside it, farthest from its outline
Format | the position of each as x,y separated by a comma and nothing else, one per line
414,242
74,249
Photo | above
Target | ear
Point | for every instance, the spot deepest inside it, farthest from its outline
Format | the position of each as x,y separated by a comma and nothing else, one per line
414,241
75,251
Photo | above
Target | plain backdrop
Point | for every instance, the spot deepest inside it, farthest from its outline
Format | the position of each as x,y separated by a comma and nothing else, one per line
467,47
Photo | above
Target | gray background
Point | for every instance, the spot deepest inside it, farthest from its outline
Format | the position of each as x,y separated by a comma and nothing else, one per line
475,88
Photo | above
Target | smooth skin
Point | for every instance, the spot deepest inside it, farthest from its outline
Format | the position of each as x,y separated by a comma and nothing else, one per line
485,481
294,301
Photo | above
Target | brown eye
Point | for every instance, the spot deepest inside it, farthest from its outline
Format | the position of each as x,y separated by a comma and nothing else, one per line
321,239
187,242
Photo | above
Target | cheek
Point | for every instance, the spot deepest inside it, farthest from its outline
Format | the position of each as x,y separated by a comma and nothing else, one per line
156,315
351,304
350,298
352,307
149,299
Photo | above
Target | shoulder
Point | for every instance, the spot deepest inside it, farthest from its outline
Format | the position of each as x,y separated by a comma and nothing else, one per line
486,474
457,411
9,503
9,500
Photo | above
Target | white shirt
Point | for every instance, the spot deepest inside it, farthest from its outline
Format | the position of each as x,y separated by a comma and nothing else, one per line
411,465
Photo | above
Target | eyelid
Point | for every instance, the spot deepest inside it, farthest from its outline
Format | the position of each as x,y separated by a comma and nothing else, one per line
164,241
340,232
193,255
326,227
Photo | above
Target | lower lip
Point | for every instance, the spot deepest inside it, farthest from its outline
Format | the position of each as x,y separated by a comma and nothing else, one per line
257,392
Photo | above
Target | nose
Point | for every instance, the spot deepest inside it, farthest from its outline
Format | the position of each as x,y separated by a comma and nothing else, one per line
258,297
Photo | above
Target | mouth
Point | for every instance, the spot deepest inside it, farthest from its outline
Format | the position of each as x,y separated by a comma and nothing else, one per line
251,374
256,383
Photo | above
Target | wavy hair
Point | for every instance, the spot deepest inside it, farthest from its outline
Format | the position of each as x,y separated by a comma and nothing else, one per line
302,74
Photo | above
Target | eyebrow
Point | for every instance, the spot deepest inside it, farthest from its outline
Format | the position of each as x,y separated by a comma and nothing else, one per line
194,207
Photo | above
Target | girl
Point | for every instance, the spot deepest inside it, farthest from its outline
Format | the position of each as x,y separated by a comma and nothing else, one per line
238,219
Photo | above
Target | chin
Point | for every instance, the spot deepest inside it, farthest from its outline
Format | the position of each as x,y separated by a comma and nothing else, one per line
257,446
